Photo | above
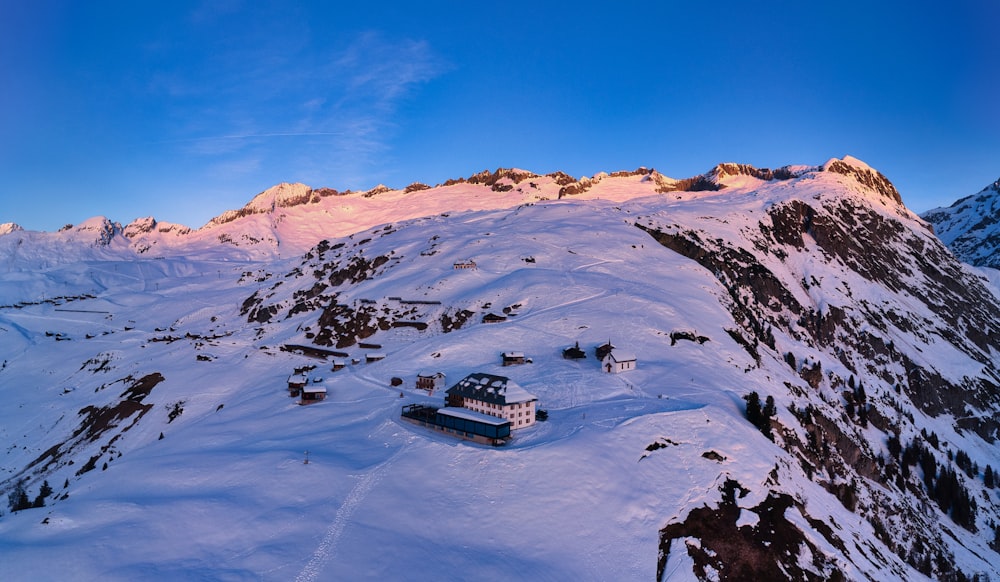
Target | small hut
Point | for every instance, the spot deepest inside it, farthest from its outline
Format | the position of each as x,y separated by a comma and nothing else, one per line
313,394
574,352
296,382
512,358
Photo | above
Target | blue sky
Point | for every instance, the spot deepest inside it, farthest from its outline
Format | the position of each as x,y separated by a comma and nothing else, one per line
181,110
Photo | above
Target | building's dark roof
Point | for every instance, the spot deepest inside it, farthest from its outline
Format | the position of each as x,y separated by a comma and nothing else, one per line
489,388
601,351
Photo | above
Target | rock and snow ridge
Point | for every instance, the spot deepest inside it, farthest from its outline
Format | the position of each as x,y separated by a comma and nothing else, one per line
290,218
815,288
971,226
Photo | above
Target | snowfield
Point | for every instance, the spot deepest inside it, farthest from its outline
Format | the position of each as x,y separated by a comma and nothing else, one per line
103,344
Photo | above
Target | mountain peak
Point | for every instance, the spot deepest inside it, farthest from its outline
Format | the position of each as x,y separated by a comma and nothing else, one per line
9,227
865,175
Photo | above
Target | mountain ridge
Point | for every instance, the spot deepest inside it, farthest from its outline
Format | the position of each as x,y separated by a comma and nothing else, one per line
969,226
819,293
291,217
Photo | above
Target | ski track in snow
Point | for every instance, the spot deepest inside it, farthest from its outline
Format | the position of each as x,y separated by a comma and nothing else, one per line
327,548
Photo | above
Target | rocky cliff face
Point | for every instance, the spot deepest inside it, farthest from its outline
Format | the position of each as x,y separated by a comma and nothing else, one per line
852,292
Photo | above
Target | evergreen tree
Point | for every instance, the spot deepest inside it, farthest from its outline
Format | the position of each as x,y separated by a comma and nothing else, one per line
760,417
753,408
894,446
769,410
767,413
988,477
18,497
44,491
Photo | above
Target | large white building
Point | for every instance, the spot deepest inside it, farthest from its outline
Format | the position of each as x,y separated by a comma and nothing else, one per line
496,396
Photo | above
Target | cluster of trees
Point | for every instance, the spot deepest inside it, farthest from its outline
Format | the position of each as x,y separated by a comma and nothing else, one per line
18,498
760,416
942,483
857,402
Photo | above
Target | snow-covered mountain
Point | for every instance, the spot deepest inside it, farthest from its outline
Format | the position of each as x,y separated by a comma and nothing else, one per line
971,226
815,398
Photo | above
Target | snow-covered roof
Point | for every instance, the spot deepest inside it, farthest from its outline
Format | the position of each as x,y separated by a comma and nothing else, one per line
490,388
314,390
620,356
513,354
472,415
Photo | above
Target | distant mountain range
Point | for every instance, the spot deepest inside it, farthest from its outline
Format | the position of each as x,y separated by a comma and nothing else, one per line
971,226
816,394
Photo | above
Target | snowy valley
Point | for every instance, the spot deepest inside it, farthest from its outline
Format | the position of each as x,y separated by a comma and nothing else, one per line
145,370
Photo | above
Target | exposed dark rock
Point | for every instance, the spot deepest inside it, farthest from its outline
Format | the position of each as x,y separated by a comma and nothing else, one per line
773,549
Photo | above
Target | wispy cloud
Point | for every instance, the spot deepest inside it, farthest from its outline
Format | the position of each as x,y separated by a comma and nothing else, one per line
318,108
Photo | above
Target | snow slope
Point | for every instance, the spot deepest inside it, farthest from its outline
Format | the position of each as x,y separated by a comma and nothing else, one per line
148,388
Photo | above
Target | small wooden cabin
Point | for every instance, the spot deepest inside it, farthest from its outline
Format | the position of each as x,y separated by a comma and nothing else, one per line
512,358
574,352
493,318
374,357
295,384
470,264
312,394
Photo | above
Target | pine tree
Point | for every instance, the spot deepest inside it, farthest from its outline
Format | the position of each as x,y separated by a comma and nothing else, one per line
18,497
44,491
753,408
769,409
894,446
988,477
760,418
767,413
